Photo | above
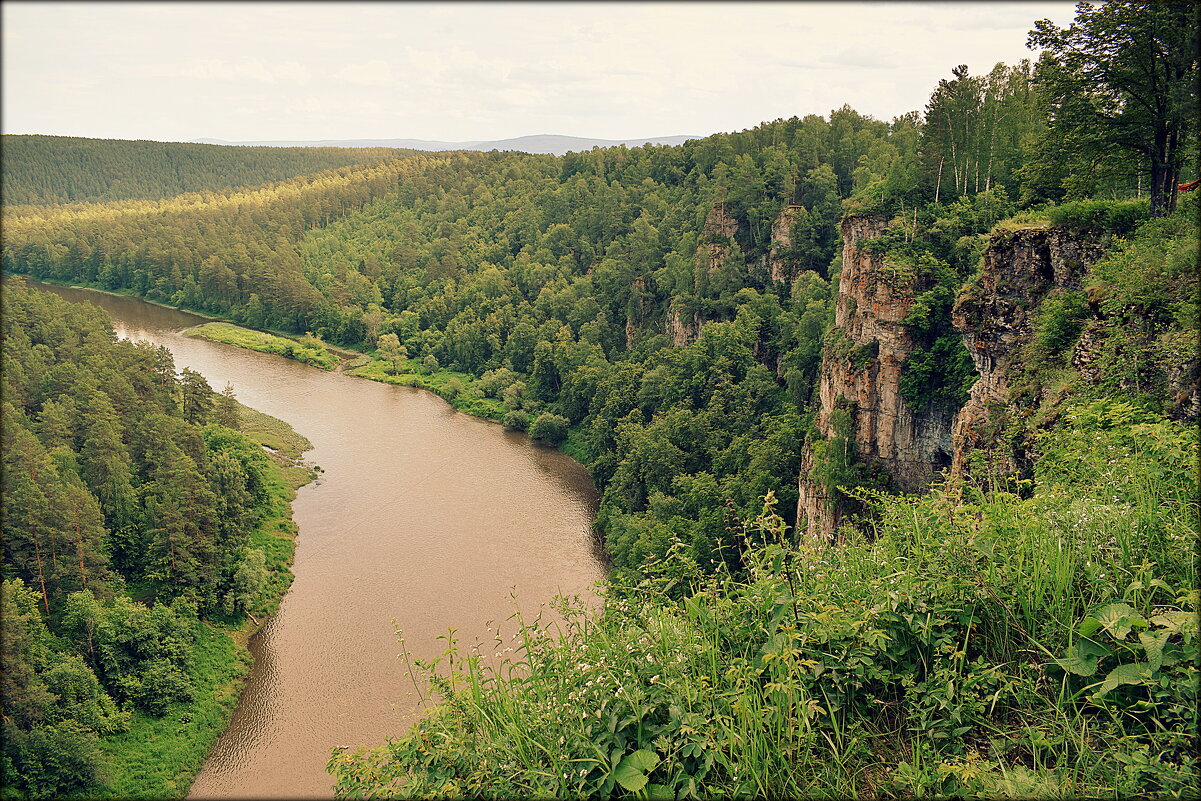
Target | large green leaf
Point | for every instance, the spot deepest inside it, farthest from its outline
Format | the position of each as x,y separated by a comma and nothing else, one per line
631,771
1130,673
1153,643
1176,622
1118,619
1082,657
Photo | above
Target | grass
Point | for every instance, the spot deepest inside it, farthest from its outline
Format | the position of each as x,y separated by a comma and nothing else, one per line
159,757
461,390
307,349
288,446
940,656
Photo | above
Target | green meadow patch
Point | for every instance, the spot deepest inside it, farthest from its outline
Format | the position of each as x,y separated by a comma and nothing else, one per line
307,349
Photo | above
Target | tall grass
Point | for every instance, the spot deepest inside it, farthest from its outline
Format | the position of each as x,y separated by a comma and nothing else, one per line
950,653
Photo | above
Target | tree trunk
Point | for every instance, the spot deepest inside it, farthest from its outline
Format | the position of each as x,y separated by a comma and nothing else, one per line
1165,171
41,576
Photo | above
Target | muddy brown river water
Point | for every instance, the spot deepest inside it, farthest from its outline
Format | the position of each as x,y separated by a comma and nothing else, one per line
422,514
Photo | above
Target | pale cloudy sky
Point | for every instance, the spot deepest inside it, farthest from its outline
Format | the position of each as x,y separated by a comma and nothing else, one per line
475,71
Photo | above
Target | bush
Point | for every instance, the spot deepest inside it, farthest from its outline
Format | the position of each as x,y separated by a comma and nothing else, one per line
494,382
550,427
1118,217
941,374
517,420
1060,319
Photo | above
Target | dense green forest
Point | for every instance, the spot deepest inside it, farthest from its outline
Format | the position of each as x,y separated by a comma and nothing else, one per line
662,313
555,281
51,170
139,529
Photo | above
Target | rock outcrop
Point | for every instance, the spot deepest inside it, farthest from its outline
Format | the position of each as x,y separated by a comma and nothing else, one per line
714,246
682,327
996,317
711,252
780,267
861,372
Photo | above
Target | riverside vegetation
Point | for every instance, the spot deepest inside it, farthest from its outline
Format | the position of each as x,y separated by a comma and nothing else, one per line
662,313
145,532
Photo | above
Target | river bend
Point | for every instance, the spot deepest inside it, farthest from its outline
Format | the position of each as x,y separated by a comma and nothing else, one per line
422,514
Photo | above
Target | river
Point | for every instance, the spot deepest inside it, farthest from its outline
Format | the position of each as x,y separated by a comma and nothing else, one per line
423,515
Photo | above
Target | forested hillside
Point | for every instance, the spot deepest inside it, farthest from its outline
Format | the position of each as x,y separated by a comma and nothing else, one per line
709,325
132,515
50,170
667,303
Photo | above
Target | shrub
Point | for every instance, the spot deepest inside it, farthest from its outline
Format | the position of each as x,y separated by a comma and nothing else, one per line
452,388
517,420
1060,319
1118,217
550,427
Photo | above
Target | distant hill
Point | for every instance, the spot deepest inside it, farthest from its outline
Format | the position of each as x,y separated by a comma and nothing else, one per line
555,144
69,169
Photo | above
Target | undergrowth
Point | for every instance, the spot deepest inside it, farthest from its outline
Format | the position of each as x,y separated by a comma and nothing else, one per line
977,644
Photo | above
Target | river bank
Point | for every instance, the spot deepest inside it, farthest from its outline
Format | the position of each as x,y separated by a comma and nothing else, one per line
460,390
159,757
423,520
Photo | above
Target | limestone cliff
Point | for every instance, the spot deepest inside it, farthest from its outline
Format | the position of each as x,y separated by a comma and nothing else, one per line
714,247
779,266
861,371
682,327
996,316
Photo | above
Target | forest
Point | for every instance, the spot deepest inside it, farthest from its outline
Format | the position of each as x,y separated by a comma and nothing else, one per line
50,170
665,314
140,526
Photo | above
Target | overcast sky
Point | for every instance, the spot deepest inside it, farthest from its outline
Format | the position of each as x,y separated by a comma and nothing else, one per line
478,71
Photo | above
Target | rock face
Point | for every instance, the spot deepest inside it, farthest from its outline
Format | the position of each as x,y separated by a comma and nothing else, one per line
995,316
779,267
861,371
683,328
714,246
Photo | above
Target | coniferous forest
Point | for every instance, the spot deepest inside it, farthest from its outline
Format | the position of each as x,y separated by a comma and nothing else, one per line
713,330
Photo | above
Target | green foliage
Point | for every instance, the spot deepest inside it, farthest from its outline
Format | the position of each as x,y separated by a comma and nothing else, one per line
308,349
116,484
1119,217
549,427
1146,294
972,646
941,375
249,580
835,464
1060,318
42,170
518,420
1120,83
50,761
